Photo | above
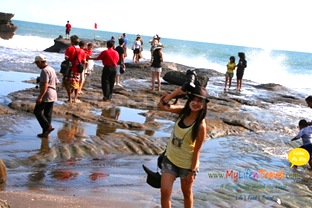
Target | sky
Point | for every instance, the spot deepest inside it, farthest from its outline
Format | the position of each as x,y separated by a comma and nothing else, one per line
268,24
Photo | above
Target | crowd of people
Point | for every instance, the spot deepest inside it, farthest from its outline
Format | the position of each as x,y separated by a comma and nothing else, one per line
182,154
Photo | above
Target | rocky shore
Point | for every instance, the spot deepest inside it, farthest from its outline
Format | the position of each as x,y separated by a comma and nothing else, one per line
229,113
225,115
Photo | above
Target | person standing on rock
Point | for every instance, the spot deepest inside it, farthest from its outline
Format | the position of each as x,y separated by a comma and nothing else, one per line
121,62
125,46
183,148
45,100
109,58
67,29
75,55
156,66
241,65
229,72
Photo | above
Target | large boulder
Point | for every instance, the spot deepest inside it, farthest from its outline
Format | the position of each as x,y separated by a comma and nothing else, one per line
179,78
7,28
60,44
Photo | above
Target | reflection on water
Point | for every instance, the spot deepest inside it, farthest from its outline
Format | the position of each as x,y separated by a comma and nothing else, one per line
71,159
71,131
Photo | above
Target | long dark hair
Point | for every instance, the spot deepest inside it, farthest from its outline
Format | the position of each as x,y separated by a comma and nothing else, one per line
201,115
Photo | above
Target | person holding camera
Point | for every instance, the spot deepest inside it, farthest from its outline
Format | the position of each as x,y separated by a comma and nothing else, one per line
45,100
183,148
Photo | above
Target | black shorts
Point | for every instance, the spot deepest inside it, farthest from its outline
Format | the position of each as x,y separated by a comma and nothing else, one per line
308,147
239,74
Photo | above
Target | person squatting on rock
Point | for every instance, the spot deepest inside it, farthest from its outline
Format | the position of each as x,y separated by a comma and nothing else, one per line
306,134
75,55
47,96
109,58
183,148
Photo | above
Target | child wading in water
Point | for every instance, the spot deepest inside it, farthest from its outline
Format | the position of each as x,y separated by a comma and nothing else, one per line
306,134
230,72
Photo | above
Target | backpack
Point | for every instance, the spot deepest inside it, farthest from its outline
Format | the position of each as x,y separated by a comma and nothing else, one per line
66,68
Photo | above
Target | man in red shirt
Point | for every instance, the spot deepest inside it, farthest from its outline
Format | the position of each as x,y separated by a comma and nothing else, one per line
110,58
67,30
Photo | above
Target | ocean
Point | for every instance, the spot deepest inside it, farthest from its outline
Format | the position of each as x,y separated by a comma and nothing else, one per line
289,68
229,174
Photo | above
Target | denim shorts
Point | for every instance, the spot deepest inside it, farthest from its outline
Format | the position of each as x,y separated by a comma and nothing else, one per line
169,167
229,74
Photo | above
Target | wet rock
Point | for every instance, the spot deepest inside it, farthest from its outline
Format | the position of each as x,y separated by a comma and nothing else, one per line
227,112
7,28
178,78
60,44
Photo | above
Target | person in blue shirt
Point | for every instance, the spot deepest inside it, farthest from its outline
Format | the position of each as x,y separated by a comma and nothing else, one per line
306,134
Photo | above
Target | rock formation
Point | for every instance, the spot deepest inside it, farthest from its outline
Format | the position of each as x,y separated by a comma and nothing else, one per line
60,44
7,28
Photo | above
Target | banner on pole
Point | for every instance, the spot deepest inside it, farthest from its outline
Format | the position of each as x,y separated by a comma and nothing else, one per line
95,26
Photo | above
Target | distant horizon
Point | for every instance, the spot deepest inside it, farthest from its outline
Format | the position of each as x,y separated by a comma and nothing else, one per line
278,24
256,47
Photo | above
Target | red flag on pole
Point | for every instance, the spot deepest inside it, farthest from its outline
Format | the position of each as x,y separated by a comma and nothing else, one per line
95,26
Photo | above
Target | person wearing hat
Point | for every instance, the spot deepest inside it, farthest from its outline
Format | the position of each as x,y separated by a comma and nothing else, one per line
183,148
47,96
155,42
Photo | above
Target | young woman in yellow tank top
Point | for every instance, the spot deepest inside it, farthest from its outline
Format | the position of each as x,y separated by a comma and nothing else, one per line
183,148
230,72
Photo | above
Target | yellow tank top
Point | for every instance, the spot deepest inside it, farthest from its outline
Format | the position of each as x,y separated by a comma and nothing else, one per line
180,147
230,67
